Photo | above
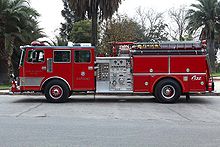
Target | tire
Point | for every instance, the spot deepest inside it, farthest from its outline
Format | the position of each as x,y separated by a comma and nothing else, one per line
56,91
167,91
70,93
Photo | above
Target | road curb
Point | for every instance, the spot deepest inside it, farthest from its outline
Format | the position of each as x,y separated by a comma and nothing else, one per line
31,93
18,93
216,78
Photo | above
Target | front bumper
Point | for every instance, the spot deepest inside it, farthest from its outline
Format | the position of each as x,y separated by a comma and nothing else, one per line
15,87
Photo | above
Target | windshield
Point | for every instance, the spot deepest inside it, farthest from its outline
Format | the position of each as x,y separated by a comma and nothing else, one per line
22,57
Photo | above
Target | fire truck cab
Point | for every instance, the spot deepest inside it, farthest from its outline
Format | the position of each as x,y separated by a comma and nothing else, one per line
56,71
165,70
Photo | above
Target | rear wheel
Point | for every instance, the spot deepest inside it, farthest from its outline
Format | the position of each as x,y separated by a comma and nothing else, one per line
70,93
167,91
56,91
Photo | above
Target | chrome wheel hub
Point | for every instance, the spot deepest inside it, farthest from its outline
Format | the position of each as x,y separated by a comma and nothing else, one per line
56,92
168,91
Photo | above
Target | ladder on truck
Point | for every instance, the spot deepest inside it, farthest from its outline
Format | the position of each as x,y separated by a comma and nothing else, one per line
169,48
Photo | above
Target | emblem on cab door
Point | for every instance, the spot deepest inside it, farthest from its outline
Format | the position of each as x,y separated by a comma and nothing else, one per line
83,73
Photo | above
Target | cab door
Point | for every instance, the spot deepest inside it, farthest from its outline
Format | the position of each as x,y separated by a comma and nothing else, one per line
34,69
83,69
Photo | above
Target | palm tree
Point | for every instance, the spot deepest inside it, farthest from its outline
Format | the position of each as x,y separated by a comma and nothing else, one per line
30,31
204,15
17,19
103,9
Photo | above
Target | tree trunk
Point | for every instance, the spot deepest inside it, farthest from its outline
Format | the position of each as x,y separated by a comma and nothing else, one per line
211,53
4,79
15,61
211,49
94,25
3,63
9,42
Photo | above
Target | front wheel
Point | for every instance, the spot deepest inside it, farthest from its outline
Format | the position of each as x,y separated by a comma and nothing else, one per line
167,91
56,91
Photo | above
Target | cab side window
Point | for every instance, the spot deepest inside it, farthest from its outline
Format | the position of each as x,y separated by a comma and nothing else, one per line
61,56
82,56
35,56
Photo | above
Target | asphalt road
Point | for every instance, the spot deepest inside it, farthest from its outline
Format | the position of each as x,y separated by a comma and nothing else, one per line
136,121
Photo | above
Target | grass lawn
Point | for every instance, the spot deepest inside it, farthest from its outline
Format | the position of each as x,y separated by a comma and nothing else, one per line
216,74
4,87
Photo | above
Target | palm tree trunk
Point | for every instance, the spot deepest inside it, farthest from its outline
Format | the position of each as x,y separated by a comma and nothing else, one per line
9,42
4,71
3,63
211,53
212,49
94,25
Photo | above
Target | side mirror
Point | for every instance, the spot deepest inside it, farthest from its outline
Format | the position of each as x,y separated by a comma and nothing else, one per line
12,76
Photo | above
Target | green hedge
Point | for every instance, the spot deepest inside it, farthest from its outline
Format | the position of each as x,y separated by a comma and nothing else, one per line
4,87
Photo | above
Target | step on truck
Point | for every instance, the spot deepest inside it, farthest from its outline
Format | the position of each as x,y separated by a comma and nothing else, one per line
166,70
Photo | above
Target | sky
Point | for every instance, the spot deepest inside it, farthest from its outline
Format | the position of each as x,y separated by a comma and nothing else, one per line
50,10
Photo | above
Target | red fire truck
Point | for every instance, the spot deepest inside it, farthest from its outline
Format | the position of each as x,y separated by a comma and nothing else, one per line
166,70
